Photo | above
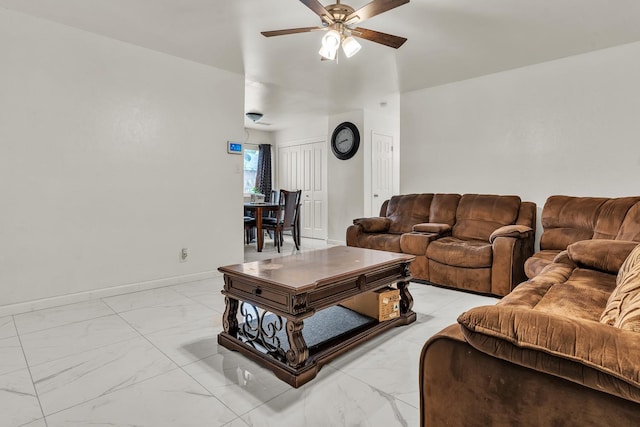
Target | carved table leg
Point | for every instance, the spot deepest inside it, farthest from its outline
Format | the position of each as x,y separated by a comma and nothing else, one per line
229,318
406,302
298,352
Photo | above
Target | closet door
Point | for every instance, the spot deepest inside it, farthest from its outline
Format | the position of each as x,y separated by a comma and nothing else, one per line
313,204
289,168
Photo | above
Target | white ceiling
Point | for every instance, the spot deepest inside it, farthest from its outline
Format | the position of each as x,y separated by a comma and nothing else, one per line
449,40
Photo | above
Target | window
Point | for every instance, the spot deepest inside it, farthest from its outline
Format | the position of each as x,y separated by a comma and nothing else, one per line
250,168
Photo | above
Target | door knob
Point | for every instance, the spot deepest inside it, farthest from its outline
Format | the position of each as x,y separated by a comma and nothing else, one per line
375,195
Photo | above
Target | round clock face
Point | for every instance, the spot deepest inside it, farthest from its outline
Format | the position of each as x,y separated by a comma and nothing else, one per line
345,140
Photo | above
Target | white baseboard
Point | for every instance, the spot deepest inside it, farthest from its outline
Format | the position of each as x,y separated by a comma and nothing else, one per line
23,307
336,242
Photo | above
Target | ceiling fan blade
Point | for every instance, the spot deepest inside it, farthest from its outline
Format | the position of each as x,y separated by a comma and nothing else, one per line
289,31
319,10
376,7
378,37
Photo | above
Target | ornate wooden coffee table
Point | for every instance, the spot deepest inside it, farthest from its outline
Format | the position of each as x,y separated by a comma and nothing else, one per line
295,288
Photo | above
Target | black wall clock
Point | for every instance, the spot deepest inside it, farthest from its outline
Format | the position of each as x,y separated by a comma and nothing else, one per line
345,140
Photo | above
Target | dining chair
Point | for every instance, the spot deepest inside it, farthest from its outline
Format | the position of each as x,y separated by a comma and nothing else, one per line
286,218
249,225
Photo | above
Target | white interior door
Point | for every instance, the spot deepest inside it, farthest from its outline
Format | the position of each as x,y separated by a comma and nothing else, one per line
303,167
289,168
381,170
313,191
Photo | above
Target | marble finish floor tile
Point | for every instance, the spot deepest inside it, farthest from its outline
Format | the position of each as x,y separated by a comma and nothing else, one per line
7,327
157,363
169,400
11,356
388,363
334,399
205,292
136,300
18,400
75,379
51,344
58,316
36,423
191,341
236,381
152,319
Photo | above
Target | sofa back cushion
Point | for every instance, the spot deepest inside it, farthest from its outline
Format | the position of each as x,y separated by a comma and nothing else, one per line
611,216
623,306
443,208
630,228
567,220
479,215
407,210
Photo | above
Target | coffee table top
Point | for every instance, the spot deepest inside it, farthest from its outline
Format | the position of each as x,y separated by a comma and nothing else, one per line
310,270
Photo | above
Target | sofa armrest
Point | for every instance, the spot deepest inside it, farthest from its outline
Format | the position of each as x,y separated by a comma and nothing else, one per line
432,227
515,231
586,352
600,254
373,225
416,243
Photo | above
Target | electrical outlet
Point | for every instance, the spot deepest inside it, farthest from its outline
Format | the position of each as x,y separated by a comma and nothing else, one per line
183,255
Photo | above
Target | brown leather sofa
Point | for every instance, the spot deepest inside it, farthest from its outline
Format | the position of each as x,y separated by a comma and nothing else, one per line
544,355
566,220
477,242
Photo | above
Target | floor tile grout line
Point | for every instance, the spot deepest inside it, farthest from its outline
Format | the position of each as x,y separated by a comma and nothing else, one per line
181,367
64,324
33,384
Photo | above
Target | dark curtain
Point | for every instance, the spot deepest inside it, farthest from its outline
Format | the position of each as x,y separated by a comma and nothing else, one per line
263,176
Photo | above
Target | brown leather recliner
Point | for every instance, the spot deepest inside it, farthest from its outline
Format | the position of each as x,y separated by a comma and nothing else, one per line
477,242
567,219
543,355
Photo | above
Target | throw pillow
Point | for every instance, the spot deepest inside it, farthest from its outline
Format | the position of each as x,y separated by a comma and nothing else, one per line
623,305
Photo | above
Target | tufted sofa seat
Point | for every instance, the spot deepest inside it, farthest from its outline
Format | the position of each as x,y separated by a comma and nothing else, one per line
477,242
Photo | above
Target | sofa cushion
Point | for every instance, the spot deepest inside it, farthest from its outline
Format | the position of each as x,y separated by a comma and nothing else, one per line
479,215
601,254
432,227
373,225
461,253
550,342
443,208
407,210
381,242
538,261
630,228
568,219
612,214
623,306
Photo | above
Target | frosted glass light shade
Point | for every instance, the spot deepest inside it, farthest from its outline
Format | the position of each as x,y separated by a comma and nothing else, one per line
331,40
350,46
327,53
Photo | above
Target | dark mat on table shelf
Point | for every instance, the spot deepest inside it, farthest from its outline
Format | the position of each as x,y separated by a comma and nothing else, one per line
325,325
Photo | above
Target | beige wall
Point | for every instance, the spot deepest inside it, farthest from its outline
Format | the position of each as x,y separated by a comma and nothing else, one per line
112,159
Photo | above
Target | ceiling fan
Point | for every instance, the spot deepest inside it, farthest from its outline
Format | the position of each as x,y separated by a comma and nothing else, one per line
340,20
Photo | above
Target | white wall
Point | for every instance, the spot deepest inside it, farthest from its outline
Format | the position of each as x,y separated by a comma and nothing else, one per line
570,126
345,184
256,137
112,158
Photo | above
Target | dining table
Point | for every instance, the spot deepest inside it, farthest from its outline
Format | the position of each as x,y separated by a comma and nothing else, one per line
257,209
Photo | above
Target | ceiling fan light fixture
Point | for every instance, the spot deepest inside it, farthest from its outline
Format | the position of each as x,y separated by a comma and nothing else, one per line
350,46
327,53
331,40
254,116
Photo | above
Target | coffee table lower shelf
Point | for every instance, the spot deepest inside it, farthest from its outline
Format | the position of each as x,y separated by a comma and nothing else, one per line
328,347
